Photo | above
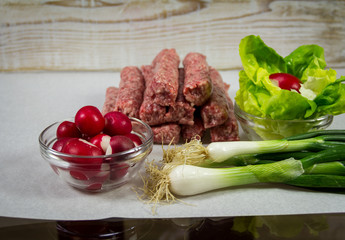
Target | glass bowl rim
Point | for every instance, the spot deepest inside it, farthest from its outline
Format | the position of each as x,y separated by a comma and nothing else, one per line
242,114
144,145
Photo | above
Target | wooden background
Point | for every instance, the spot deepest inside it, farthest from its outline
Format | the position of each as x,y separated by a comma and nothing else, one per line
106,35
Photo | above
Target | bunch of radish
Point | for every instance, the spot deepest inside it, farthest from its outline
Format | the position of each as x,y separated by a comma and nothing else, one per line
92,134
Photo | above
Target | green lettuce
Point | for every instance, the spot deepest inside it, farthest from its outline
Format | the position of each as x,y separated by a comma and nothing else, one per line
303,58
321,92
331,99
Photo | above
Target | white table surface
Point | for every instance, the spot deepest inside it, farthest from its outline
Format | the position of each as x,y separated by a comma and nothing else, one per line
30,189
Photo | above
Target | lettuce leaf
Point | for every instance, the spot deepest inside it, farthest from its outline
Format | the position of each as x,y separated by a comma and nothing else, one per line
307,56
255,54
317,79
332,99
322,92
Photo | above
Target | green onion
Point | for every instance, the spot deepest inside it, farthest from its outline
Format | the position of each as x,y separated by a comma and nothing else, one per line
328,155
194,168
186,180
332,132
318,181
179,178
282,156
223,151
190,180
310,160
245,152
329,168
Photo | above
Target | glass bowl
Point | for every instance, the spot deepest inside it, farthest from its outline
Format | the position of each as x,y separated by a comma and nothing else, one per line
258,128
114,171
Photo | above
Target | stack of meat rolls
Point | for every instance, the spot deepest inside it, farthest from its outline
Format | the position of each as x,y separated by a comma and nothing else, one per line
178,102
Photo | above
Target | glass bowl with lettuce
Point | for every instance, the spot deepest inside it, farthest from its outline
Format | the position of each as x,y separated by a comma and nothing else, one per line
283,96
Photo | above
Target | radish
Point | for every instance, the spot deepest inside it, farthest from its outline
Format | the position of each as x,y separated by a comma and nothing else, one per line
67,129
81,147
101,140
80,175
72,177
118,171
60,143
119,143
103,174
100,175
286,81
94,186
88,166
89,120
135,138
117,123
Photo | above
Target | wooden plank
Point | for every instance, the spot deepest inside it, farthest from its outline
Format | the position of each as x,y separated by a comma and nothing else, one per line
100,35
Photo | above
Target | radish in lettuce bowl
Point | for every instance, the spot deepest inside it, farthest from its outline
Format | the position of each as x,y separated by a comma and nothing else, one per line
282,96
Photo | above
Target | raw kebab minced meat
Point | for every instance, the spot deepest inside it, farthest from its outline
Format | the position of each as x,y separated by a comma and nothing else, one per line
216,110
216,114
175,110
180,111
164,87
228,131
166,133
197,130
198,85
131,91
150,112
110,99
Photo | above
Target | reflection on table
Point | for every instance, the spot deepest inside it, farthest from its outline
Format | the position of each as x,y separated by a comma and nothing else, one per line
329,226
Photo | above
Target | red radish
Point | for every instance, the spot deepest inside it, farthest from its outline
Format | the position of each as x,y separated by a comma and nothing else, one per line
73,177
117,123
81,147
81,180
101,140
94,186
286,81
118,171
86,137
60,143
103,174
67,129
99,175
135,138
80,175
89,120
119,143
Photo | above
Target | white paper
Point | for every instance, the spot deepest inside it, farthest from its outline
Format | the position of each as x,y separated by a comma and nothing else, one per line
30,189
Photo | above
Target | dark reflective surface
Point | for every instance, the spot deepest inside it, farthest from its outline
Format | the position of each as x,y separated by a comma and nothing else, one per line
329,226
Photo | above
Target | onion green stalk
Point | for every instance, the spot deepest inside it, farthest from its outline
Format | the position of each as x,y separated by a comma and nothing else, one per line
328,161
319,181
328,155
245,152
329,133
329,168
